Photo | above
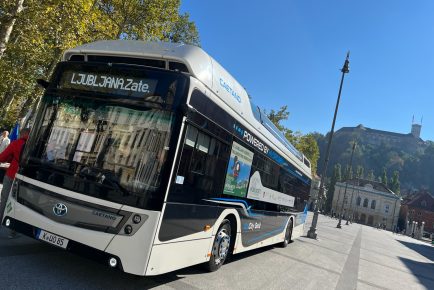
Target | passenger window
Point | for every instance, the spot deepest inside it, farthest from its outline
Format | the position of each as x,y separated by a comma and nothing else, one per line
202,168
190,138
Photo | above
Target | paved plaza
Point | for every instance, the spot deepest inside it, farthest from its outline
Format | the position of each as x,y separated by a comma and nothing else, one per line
354,257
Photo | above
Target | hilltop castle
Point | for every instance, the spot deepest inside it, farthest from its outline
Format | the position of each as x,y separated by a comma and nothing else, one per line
410,142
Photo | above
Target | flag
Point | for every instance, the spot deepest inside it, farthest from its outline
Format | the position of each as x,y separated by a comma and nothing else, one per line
15,132
305,209
304,215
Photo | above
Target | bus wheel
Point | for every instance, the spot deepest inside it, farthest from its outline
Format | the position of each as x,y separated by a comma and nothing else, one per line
288,235
220,247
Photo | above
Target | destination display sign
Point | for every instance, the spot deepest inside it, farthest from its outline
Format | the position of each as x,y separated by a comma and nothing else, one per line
107,83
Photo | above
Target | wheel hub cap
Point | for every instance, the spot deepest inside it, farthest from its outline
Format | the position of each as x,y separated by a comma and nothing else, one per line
221,247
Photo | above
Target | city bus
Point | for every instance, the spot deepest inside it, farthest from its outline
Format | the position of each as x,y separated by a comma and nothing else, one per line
151,157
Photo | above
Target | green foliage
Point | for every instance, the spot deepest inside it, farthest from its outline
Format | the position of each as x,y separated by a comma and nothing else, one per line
338,172
183,30
384,177
46,28
306,144
336,177
371,175
277,117
360,172
348,174
395,185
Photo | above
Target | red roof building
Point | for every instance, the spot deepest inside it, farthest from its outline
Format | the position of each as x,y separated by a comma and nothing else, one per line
420,208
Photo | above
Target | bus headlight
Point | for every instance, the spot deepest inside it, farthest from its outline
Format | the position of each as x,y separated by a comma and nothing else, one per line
113,262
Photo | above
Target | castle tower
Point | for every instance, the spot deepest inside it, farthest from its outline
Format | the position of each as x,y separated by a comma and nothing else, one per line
415,129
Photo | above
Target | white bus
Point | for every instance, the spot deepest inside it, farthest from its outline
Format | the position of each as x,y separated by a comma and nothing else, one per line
151,157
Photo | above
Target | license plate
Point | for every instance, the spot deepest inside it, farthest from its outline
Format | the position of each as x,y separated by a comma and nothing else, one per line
52,239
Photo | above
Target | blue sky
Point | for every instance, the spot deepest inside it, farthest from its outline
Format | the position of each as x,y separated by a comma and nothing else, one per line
291,52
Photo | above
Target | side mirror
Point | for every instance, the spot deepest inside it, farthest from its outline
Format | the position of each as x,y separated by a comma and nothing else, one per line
43,83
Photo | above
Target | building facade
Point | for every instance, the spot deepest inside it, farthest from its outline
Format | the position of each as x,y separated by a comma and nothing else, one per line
419,209
367,202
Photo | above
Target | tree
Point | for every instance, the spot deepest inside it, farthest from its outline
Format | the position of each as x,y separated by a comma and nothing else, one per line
39,37
305,143
277,117
348,174
337,177
45,29
371,175
359,172
183,30
309,147
394,183
384,177
9,13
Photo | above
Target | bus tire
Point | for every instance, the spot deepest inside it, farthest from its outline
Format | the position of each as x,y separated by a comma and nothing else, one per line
288,235
220,247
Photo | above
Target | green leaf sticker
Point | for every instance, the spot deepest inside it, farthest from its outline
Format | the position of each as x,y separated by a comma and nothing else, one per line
9,207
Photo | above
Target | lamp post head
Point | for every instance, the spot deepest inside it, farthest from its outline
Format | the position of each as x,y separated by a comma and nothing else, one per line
346,68
312,231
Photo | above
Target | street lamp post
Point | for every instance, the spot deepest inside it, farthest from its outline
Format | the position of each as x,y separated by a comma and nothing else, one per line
346,186
337,201
312,231
350,207
393,217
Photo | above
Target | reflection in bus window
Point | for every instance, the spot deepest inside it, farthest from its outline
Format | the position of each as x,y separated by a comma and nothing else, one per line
203,167
92,138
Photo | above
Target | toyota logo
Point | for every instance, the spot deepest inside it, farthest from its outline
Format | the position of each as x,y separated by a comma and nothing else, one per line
60,209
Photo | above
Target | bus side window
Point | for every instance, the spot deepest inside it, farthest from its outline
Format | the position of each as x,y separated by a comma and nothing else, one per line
187,152
269,172
291,185
198,164
201,168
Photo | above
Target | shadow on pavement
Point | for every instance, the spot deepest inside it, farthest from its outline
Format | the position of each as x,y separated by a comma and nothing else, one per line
83,273
425,250
41,264
200,269
424,272
125,281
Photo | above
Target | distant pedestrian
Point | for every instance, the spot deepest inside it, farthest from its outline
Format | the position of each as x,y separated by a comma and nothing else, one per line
4,141
11,155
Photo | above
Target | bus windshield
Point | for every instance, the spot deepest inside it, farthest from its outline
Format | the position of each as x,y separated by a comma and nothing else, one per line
101,148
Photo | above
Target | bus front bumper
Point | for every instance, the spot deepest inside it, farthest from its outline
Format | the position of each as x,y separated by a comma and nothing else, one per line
131,252
73,246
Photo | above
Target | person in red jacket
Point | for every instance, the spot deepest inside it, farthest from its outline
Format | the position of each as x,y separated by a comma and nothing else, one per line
11,155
